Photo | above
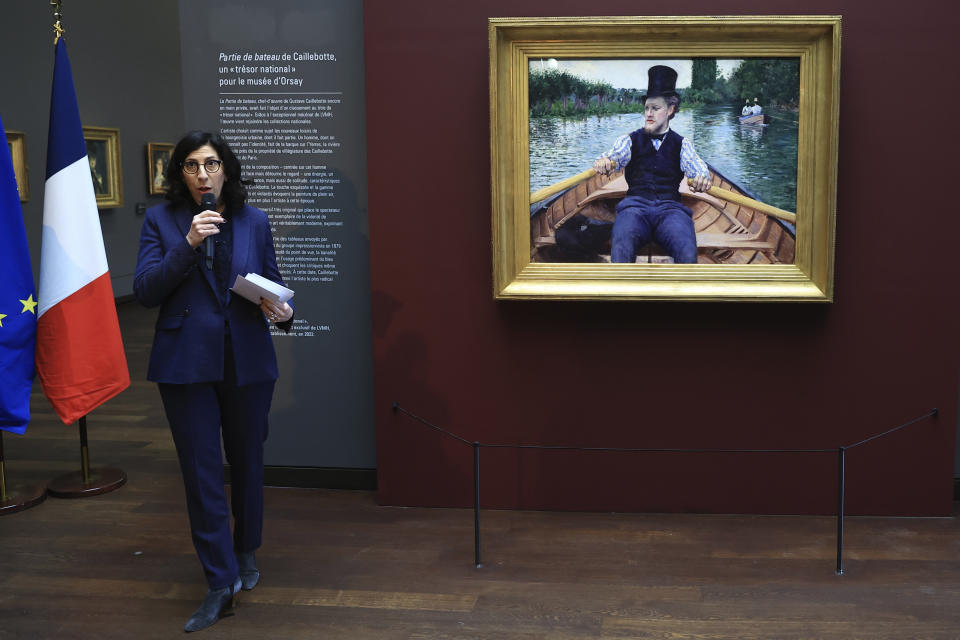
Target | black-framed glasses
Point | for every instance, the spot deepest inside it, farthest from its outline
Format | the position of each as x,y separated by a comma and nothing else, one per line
192,166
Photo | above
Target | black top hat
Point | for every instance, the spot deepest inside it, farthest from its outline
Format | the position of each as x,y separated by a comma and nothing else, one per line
661,82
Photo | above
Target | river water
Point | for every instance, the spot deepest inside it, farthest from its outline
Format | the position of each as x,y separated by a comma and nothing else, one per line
760,159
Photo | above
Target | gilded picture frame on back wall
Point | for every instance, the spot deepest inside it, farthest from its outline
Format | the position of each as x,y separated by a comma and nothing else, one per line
752,244
103,154
17,145
158,155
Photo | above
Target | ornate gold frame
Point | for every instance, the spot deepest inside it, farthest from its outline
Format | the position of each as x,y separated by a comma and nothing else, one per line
814,39
153,149
17,141
112,195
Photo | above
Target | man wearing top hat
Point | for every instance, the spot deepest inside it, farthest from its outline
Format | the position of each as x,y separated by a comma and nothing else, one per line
655,160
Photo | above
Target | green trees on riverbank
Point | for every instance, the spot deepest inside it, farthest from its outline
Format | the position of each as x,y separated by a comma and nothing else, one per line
555,92
707,86
774,81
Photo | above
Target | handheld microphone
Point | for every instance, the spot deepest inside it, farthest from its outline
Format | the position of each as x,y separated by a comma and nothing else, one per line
208,201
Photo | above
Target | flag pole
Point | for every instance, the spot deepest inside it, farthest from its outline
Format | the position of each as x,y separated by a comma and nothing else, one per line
87,481
57,14
84,451
16,498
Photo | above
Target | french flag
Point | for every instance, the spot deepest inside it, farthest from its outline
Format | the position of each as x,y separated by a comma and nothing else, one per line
80,357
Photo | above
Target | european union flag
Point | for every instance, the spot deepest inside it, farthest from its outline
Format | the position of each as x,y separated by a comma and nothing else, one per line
18,306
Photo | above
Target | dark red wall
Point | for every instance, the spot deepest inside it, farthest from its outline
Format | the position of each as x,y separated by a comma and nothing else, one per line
645,374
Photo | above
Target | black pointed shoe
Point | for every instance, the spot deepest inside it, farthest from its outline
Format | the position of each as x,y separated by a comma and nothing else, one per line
217,604
249,574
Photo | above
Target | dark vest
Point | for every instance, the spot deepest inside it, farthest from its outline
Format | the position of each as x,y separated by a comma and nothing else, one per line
653,174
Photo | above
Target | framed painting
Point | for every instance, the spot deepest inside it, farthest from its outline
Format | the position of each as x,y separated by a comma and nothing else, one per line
103,154
17,145
158,155
664,158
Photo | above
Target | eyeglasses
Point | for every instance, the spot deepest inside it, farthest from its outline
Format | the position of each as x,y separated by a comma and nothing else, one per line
192,166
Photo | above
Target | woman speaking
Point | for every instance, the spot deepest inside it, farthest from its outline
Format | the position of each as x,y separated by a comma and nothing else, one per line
212,355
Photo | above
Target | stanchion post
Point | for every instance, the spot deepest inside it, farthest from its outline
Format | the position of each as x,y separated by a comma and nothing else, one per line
476,504
842,460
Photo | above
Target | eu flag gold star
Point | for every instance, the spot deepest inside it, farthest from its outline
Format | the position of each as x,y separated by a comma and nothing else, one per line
29,305
2,316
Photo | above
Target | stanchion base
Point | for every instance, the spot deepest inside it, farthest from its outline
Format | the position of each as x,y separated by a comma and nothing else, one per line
102,480
20,498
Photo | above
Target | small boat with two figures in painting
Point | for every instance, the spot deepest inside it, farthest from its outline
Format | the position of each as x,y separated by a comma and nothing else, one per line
755,118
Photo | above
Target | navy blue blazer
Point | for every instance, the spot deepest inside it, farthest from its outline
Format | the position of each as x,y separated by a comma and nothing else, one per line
189,340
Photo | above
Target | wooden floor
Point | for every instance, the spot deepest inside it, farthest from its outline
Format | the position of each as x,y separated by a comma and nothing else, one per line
336,565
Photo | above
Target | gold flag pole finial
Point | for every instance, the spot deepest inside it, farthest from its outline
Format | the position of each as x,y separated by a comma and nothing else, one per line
57,14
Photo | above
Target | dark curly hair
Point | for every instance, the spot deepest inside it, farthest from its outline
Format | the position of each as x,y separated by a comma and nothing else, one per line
234,193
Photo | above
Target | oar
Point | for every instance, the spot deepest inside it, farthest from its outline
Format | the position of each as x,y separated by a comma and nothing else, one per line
762,207
716,192
546,192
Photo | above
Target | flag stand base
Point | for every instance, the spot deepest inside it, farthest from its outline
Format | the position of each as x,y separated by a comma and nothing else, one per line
20,498
88,481
101,480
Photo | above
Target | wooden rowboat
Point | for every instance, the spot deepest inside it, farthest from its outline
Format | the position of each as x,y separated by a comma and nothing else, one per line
755,118
727,233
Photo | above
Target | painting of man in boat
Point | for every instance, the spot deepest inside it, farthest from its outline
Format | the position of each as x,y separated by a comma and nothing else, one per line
580,108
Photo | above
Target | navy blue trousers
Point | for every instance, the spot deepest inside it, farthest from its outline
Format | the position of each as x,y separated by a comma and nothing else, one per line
197,414
666,222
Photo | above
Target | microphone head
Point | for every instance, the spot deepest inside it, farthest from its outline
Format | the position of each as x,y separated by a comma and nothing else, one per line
208,201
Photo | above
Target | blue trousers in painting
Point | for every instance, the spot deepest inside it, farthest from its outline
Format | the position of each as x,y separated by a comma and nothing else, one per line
197,414
666,222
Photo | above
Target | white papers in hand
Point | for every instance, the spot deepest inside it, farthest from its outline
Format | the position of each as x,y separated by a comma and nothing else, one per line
254,286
